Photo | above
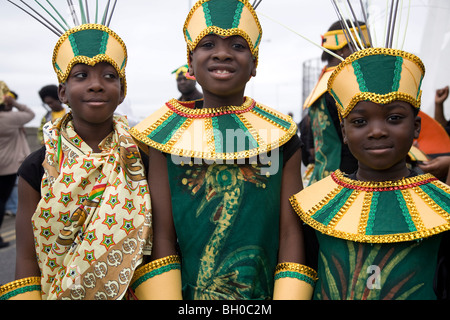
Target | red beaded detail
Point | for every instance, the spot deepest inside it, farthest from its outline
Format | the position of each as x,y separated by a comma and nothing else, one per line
203,113
371,186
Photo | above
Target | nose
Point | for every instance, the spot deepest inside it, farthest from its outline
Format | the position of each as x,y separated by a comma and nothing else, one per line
378,130
95,82
222,52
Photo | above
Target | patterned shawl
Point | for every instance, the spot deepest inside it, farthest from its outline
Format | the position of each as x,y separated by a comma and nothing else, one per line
93,223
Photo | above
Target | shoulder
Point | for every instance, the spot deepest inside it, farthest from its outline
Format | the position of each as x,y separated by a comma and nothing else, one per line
32,170
291,147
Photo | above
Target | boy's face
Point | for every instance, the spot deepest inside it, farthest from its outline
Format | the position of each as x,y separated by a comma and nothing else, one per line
93,93
223,66
380,136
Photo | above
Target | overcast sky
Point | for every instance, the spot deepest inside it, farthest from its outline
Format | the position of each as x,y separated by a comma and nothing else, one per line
152,31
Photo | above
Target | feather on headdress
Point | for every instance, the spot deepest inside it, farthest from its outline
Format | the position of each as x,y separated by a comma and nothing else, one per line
84,36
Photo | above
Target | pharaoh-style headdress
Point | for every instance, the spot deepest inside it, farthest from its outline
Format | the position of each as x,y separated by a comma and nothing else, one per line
86,39
378,74
224,18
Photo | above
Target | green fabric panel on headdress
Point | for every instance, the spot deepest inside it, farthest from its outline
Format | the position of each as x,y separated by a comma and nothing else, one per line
224,14
335,96
396,218
89,43
378,74
231,135
167,129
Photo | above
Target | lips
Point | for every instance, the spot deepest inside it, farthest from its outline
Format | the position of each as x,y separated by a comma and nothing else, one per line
221,71
379,149
95,102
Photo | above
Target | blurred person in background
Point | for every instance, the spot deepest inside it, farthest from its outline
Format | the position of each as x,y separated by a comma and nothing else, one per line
13,144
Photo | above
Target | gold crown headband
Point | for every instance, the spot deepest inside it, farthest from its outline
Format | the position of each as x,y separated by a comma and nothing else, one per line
88,40
224,18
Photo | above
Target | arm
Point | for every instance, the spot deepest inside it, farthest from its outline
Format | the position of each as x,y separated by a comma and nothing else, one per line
24,115
164,235
293,280
291,234
27,285
440,97
161,278
26,262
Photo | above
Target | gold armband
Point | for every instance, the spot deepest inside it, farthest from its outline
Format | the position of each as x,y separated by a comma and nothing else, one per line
158,280
22,289
294,281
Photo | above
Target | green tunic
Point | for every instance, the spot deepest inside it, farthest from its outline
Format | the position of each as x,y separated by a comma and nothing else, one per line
226,218
226,194
350,270
377,240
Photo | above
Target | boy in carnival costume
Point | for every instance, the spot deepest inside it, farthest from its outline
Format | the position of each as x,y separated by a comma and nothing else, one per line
226,203
383,229
84,221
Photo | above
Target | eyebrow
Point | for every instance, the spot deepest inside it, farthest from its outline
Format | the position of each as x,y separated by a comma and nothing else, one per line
390,107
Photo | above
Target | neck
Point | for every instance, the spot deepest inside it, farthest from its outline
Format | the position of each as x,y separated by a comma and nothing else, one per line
213,101
93,134
396,172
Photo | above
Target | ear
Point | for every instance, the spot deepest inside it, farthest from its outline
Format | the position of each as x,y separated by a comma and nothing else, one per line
253,73
122,91
191,70
417,126
344,134
62,93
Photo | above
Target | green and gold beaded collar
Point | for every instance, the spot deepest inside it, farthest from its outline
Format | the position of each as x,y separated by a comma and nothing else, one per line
223,133
375,212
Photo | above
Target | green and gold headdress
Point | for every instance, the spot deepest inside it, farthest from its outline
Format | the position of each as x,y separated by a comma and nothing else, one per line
88,40
380,74
224,18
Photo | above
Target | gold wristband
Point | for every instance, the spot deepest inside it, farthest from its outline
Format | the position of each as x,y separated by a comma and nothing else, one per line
27,288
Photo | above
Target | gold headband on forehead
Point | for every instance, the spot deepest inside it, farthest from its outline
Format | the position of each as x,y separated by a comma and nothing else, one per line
337,39
89,42
224,18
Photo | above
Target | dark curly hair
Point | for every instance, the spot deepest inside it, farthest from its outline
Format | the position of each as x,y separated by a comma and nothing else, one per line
49,91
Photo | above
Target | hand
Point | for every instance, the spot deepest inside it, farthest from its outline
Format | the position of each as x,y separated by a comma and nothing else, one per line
9,100
438,166
441,95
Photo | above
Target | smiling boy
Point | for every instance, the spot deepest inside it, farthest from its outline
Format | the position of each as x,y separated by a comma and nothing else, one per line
212,190
84,215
